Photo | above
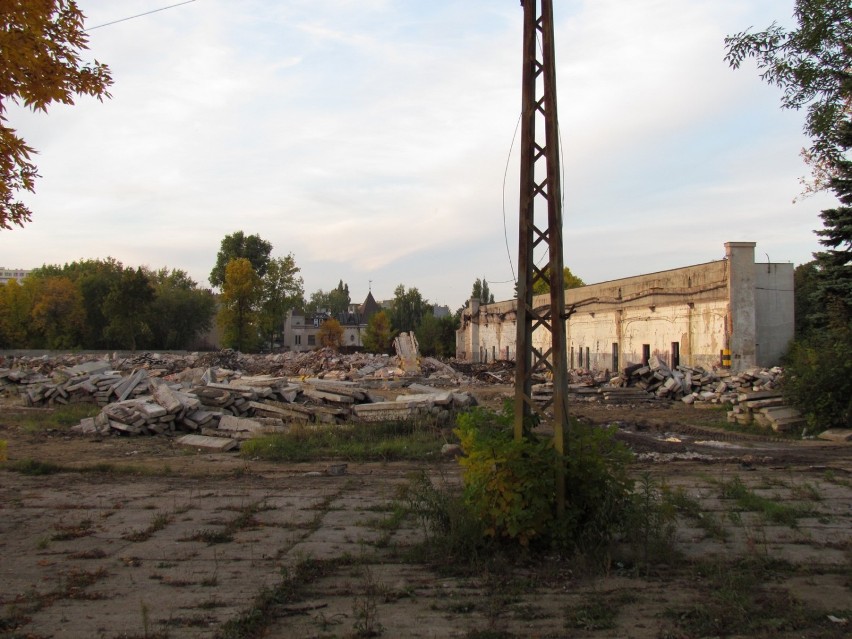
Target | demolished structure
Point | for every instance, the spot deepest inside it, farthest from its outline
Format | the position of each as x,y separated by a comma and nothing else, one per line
730,313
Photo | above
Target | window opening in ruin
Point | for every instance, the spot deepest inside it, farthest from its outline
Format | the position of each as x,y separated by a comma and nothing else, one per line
571,363
297,340
581,357
675,354
588,359
494,353
615,356
646,354
312,340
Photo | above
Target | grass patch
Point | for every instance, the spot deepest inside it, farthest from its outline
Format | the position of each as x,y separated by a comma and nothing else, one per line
740,599
34,467
59,418
244,520
272,602
690,508
774,512
158,522
383,441
67,532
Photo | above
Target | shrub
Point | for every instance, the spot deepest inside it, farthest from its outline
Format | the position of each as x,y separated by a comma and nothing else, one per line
511,485
818,379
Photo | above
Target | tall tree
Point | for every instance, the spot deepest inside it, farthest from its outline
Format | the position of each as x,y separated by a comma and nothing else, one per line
338,299
14,315
812,64
180,311
40,46
283,289
569,280
407,309
834,284
330,334
241,293
236,245
480,292
335,301
127,305
378,335
58,313
318,301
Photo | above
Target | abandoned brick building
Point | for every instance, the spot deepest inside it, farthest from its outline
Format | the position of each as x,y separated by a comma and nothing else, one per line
695,315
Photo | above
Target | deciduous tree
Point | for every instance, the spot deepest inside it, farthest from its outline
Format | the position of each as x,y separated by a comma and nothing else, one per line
569,280
407,309
241,293
180,311
812,64
378,336
330,334
251,247
126,306
283,290
58,313
40,64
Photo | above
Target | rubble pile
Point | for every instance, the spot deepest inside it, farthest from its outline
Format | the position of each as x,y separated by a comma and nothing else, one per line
253,405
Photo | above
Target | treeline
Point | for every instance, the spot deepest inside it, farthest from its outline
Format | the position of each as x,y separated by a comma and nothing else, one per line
102,304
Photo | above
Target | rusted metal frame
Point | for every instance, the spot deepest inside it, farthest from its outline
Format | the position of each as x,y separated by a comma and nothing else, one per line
554,210
528,357
530,152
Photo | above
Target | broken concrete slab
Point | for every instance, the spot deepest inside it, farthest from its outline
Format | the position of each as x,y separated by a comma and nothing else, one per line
837,435
221,444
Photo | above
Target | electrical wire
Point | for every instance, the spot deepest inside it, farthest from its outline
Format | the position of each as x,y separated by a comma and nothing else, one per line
505,176
139,15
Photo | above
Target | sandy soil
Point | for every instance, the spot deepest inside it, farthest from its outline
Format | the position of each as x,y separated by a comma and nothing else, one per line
171,543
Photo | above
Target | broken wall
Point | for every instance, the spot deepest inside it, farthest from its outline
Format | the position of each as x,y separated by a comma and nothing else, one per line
683,316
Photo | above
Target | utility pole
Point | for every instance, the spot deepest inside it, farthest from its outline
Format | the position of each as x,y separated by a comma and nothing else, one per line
541,226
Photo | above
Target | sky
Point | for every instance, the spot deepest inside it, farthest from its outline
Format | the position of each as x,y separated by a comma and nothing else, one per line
375,141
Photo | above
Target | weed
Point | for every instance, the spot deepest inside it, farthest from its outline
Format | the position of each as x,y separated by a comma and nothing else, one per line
689,507
211,603
365,607
60,418
67,532
35,468
652,522
452,533
159,522
747,499
95,553
210,537
253,622
383,441
737,598
594,614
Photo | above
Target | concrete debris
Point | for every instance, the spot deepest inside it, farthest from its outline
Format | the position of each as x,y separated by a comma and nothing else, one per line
837,435
150,394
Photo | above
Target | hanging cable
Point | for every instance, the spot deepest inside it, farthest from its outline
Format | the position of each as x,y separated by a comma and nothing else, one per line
139,15
505,176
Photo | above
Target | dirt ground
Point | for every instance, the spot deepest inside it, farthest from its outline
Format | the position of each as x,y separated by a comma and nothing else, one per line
166,542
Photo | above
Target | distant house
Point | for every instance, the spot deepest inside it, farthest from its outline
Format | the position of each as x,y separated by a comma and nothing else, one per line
8,274
301,328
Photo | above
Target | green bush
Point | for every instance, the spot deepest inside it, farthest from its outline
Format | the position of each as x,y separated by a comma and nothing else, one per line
818,379
511,485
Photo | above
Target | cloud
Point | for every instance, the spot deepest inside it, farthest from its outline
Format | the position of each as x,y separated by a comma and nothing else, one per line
370,139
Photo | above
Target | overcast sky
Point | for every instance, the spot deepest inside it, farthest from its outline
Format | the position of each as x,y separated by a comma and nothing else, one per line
370,138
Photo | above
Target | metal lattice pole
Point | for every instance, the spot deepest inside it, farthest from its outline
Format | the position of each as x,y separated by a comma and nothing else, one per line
541,226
